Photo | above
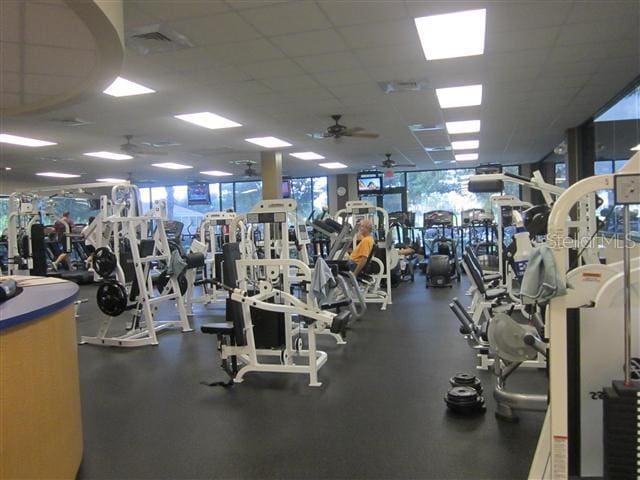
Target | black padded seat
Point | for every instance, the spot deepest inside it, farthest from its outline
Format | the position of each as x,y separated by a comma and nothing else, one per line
490,277
493,293
338,304
220,328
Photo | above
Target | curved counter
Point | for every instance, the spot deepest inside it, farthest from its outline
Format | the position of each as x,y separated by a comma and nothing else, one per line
40,416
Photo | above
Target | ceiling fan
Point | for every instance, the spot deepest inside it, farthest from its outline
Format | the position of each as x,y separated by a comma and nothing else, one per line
249,171
133,149
388,164
338,131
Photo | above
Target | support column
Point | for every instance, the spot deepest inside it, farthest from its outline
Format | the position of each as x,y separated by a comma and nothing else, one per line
581,152
271,167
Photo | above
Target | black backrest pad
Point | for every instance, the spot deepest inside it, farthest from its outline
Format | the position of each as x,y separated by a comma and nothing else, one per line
475,273
231,253
38,250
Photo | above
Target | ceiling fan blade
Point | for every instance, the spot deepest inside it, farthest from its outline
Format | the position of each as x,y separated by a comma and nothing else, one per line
354,130
362,135
406,165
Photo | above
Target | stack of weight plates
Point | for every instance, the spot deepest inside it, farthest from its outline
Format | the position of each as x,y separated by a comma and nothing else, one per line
621,429
464,400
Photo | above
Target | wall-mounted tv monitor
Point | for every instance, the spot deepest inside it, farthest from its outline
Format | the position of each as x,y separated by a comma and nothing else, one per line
198,194
369,183
488,168
286,188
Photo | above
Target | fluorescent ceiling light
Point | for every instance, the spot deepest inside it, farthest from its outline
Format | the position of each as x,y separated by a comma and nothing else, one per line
171,166
636,148
57,175
467,126
465,144
307,156
208,120
333,165
268,142
24,141
122,87
7,168
111,180
459,34
466,156
216,173
459,96
109,155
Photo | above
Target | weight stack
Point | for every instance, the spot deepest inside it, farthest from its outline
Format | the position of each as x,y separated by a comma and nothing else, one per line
621,429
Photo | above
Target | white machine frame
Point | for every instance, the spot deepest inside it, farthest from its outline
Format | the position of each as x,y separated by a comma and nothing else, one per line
593,286
120,218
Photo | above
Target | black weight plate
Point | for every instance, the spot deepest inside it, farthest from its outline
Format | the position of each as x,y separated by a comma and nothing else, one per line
104,261
111,298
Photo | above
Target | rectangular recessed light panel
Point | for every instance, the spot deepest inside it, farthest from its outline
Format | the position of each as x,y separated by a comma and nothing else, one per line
467,126
452,35
464,157
465,145
111,180
24,141
109,155
208,120
636,148
268,142
57,175
121,87
333,165
307,156
216,173
171,166
454,97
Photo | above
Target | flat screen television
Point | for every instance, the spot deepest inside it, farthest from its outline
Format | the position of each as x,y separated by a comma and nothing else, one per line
369,183
198,194
286,188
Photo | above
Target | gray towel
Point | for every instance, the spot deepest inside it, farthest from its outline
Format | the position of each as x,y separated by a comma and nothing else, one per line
322,280
541,281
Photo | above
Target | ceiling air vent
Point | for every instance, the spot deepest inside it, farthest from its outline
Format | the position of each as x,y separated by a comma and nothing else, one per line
437,149
161,144
421,127
404,86
157,38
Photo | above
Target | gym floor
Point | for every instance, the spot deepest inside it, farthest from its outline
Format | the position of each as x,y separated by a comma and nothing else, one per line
379,413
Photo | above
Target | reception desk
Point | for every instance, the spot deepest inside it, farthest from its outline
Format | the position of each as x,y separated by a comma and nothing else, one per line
40,417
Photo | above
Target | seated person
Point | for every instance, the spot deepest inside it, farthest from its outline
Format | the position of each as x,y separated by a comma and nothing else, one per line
358,258
58,252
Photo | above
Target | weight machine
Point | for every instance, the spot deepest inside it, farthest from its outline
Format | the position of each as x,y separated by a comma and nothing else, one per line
119,223
267,308
214,233
385,257
605,298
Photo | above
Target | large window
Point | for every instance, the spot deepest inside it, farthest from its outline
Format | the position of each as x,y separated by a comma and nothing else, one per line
226,197
310,193
447,190
247,194
561,179
511,188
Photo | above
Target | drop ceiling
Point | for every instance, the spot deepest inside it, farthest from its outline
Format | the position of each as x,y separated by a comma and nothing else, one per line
282,68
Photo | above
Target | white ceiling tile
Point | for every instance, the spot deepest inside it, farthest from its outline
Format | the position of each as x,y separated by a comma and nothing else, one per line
390,55
134,17
10,56
572,68
367,90
169,11
402,72
310,94
272,69
217,75
10,82
216,30
298,82
244,52
328,62
420,8
244,4
551,80
596,32
183,60
398,32
48,84
532,58
593,12
511,41
310,43
10,21
280,19
354,13
244,89
342,77
524,15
